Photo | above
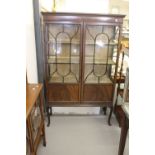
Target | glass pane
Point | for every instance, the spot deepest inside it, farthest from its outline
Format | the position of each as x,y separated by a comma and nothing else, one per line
100,45
63,53
35,119
101,48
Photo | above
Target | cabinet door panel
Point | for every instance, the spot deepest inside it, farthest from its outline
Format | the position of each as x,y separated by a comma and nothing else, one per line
98,92
65,92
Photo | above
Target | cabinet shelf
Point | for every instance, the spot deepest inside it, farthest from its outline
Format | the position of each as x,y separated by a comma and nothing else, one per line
111,43
65,42
98,61
88,42
75,60
63,60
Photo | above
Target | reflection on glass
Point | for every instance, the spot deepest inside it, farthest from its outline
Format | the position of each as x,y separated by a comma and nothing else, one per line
100,43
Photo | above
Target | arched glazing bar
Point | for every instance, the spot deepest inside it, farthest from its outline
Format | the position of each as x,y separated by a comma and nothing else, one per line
96,43
57,43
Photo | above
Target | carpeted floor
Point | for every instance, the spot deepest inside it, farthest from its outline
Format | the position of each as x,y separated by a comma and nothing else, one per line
82,135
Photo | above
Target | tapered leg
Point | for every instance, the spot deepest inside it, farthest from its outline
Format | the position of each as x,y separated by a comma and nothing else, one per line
109,119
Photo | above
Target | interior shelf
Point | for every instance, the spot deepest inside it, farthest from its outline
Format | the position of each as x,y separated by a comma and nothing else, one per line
89,60
64,60
65,41
75,60
88,42
91,42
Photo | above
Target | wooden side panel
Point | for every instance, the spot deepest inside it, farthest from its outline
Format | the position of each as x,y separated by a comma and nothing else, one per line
63,92
94,92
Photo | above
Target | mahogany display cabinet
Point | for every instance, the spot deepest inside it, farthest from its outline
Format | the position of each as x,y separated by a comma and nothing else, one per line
81,59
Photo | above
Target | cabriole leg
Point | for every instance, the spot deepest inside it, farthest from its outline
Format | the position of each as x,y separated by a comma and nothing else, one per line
48,116
109,119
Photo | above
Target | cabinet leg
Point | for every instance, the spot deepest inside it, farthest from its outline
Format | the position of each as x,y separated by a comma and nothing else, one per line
44,136
44,141
48,124
124,131
115,106
48,116
109,119
105,110
50,111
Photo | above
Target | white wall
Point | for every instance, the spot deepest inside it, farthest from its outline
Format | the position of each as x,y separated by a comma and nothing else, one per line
31,63
96,6
46,4
119,7
87,6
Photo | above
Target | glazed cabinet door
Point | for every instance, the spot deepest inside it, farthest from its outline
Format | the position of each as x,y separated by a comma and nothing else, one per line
63,61
100,59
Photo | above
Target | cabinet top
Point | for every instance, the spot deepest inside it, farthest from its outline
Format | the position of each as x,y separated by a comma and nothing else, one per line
79,17
81,14
32,93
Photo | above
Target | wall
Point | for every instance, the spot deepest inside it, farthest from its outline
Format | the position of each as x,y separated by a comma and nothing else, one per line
31,65
96,6
46,5
119,7
93,6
